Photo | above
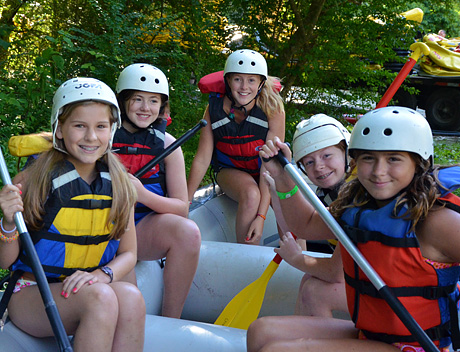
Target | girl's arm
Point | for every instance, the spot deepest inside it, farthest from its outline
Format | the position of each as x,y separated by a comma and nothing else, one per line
299,214
10,203
439,235
176,201
275,203
202,158
276,127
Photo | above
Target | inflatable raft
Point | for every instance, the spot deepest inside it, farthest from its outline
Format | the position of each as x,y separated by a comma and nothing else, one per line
222,273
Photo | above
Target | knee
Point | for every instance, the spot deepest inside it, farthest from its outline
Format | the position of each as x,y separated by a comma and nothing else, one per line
192,235
250,198
259,333
101,302
131,303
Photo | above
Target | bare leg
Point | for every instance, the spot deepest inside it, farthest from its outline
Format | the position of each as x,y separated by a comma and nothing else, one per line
130,329
178,239
296,333
242,188
319,298
90,315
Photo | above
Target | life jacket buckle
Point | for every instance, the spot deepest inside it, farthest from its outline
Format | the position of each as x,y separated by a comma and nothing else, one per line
95,204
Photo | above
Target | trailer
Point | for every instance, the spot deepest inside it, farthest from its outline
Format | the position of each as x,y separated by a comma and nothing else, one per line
437,81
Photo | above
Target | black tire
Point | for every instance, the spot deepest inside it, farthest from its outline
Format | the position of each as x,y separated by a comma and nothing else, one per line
403,98
443,109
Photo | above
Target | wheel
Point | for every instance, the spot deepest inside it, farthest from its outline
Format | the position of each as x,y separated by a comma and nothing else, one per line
403,98
443,109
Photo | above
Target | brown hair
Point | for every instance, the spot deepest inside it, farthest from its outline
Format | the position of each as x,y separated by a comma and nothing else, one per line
419,196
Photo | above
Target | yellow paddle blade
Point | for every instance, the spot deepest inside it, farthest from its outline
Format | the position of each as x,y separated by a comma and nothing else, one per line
244,308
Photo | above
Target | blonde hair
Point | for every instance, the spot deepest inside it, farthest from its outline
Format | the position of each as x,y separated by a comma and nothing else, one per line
269,99
38,177
419,196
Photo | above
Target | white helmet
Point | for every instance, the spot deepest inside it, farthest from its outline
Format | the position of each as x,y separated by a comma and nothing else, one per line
83,89
393,128
246,61
143,77
318,132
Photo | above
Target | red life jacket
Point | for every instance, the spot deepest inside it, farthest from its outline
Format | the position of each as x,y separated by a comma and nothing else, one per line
135,150
429,292
237,145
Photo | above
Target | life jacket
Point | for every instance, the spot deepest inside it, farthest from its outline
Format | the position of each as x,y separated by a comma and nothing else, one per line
75,234
135,150
237,145
427,290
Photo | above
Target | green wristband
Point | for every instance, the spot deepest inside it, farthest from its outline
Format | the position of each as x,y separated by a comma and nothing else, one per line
288,194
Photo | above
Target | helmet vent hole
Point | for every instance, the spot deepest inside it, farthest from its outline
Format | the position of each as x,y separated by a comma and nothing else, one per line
253,63
388,132
240,62
157,81
143,79
366,131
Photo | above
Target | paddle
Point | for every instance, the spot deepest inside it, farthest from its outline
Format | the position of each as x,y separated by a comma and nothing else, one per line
384,291
244,308
26,243
417,50
177,143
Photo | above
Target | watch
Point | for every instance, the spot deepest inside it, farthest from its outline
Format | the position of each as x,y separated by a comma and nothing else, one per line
106,270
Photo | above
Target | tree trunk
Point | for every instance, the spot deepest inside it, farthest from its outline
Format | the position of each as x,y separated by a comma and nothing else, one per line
301,39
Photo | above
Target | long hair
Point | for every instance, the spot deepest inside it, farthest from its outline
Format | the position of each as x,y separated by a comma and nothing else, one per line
38,177
269,99
419,196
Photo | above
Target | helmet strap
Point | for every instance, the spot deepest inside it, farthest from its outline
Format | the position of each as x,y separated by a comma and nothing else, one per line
242,108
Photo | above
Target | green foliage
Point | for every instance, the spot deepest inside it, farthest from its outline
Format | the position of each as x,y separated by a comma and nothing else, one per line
439,15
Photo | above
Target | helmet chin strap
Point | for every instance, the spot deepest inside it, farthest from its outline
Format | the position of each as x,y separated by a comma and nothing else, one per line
241,107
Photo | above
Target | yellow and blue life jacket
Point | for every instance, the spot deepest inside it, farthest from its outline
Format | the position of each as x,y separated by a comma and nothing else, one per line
75,233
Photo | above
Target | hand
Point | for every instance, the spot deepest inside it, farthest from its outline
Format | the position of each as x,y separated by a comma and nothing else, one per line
74,282
290,250
255,231
10,203
269,150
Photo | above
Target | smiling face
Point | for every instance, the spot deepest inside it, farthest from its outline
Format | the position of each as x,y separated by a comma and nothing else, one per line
142,108
385,174
325,167
86,133
244,87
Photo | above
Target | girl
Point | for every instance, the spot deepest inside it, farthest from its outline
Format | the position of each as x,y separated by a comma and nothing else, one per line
320,151
161,224
394,213
78,205
238,125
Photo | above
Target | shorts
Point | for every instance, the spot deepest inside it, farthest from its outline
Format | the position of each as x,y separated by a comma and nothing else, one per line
21,283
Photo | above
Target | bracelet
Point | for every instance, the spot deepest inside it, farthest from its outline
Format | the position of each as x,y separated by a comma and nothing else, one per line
6,239
288,194
1,225
262,216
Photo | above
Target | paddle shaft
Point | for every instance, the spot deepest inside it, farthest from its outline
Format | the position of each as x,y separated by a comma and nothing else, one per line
42,283
177,143
384,290
417,50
